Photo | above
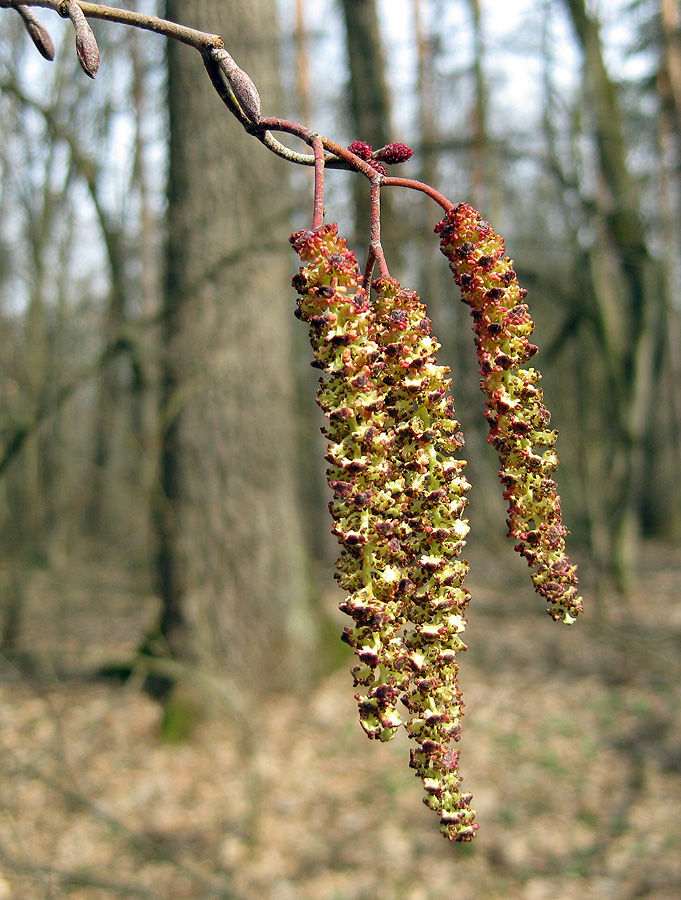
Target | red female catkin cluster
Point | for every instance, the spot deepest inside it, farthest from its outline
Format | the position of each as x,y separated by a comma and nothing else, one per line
397,508
519,422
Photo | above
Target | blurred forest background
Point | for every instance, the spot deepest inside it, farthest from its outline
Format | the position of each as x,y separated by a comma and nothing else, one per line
165,547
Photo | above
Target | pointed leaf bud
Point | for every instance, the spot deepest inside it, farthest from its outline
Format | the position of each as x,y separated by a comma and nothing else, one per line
241,84
37,32
86,43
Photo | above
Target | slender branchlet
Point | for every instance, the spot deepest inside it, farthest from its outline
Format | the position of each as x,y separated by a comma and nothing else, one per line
375,253
234,86
319,171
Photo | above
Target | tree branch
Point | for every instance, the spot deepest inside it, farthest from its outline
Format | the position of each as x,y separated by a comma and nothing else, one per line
234,86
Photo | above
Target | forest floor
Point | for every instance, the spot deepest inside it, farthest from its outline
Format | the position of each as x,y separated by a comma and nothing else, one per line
571,747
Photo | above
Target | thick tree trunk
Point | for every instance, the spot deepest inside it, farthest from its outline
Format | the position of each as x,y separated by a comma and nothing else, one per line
231,561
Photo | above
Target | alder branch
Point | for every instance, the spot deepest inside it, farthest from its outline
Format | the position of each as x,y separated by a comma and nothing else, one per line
240,95
233,85
200,40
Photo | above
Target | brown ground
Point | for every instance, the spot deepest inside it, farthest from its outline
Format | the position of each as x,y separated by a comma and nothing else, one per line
572,749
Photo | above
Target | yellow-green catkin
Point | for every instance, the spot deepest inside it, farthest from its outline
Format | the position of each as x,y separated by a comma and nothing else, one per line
430,504
518,419
399,497
342,332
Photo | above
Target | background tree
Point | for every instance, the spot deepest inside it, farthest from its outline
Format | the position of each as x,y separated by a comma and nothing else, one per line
369,104
69,469
231,562
625,289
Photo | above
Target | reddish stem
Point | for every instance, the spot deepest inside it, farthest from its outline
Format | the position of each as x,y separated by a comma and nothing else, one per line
440,199
353,161
270,123
318,208
368,270
382,264
375,254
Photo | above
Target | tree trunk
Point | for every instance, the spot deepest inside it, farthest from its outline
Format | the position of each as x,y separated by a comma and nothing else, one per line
627,300
369,110
483,171
231,561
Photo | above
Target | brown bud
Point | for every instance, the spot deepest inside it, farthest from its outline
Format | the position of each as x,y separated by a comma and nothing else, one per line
87,50
37,32
242,86
86,43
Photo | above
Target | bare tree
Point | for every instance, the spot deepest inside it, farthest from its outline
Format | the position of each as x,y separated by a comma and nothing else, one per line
626,290
231,561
